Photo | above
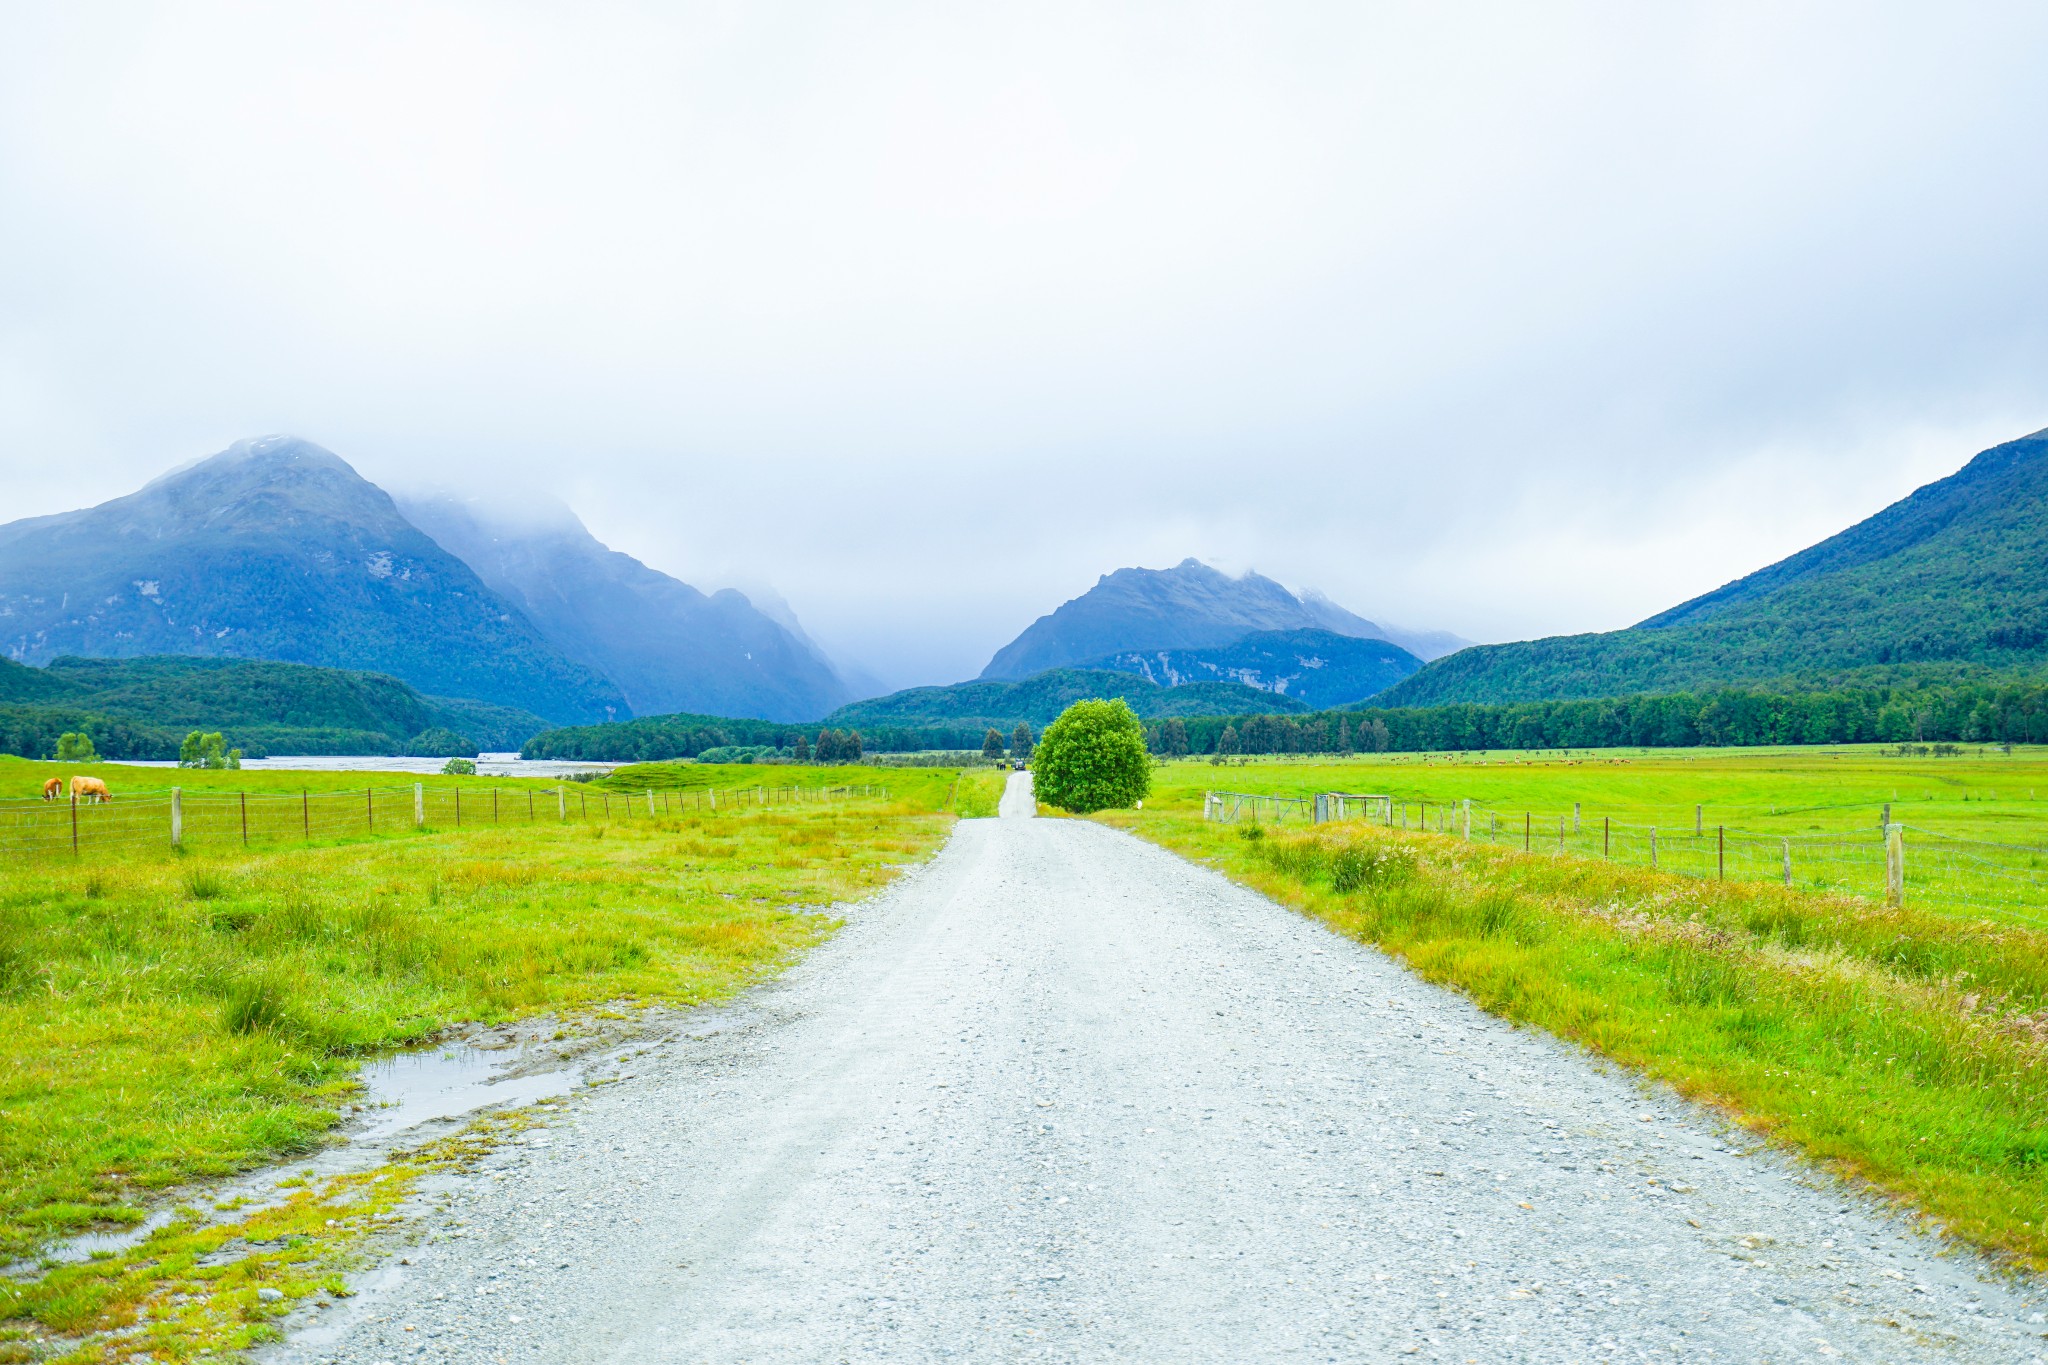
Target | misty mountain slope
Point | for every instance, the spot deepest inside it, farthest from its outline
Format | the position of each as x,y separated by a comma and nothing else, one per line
1954,575
667,646
1318,667
1423,644
1039,700
1190,606
277,549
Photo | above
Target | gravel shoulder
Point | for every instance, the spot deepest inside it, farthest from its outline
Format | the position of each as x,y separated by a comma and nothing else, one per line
1062,1096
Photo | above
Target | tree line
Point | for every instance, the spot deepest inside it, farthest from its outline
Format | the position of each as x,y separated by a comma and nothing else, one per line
2010,713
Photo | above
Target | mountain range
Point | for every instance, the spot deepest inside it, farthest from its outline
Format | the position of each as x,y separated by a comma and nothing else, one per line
277,549
1039,699
1190,606
1948,582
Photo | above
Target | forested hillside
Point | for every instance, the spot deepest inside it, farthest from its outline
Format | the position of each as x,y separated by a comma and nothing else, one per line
141,708
1956,574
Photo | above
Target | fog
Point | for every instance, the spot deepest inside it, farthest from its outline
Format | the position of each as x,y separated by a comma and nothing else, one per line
1507,321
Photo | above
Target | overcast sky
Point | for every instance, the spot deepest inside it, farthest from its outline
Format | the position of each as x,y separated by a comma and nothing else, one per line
1507,320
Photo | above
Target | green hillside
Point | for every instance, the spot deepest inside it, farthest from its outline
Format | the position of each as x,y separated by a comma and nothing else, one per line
1949,582
141,708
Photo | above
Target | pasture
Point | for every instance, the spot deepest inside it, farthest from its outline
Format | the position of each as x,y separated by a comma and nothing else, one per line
1974,820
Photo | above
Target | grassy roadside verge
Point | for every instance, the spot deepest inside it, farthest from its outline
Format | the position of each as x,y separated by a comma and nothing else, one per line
1901,1050
173,1017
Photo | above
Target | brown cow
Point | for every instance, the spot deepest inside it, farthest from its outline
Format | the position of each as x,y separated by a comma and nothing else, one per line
89,789
53,789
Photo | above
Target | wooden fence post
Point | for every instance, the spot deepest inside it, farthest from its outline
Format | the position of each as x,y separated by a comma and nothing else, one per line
369,811
419,805
1721,852
1575,817
1468,819
1653,846
177,818
1788,864
1894,864
561,803
74,824
245,819
1699,821
650,800
1528,824
305,815
1606,836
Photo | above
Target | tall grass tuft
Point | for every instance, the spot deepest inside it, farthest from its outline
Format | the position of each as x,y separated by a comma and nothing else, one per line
204,884
255,1004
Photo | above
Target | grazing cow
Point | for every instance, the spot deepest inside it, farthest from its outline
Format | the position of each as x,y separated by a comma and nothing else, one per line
53,789
89,789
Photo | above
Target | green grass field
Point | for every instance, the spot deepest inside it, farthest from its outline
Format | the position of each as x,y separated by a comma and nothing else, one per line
1979,793
1975,823
1905,1047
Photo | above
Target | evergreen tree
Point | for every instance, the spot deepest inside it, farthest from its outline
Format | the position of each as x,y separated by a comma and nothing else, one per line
849,748
802,752
828,746
992,745
1173,738
1021,742
1226,743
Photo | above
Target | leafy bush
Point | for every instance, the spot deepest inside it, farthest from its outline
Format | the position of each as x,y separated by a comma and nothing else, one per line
459,767
207,751
1092,758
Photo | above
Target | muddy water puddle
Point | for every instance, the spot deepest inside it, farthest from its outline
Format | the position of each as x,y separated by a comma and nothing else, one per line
401,1093
411,1088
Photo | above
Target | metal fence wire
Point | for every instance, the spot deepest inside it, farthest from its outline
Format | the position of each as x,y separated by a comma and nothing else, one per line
1900,864
215,819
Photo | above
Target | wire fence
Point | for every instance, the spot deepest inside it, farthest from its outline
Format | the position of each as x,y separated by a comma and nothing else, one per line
213,819
1890,862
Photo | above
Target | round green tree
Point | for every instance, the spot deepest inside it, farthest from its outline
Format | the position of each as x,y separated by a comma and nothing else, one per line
1092,758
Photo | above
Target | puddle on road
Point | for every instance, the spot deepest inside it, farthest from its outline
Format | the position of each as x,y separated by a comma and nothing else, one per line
401,1092
412,1087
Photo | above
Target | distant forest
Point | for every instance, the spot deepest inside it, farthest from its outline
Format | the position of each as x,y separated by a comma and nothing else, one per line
2014,713
653,739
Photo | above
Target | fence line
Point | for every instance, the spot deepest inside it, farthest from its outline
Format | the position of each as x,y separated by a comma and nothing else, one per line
211,818
1891,862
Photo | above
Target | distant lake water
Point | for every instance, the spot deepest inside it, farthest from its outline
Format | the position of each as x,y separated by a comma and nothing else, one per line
487,765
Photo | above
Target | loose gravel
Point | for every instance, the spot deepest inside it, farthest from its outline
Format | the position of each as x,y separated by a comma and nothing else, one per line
1062,1096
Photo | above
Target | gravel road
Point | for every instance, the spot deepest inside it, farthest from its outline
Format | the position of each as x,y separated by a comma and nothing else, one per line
1062,1096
